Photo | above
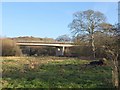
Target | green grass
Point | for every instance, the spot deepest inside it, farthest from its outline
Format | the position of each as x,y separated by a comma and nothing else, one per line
54,72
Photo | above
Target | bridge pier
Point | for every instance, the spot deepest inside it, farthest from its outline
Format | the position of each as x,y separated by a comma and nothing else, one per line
60,51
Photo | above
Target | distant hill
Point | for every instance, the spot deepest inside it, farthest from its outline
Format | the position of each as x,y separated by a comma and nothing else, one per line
31,38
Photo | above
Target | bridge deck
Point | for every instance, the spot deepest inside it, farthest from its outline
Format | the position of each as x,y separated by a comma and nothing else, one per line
44,44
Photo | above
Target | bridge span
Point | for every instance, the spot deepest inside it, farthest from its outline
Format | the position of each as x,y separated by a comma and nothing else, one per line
60,46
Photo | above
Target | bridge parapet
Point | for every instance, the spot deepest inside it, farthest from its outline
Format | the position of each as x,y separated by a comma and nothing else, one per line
46,42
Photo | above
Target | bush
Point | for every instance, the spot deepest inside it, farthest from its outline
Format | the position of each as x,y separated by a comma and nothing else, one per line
81,51
9,48
38,50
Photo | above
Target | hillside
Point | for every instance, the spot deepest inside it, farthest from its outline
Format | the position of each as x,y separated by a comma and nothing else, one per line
31,38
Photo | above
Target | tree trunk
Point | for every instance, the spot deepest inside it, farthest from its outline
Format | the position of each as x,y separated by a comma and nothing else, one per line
93,45
115,77
119,72
115,73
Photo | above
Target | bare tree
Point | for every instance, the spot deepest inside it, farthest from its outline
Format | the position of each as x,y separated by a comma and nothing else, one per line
111,47
63,38
87,22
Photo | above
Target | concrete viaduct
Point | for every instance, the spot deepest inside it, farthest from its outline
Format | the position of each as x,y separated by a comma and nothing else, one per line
60,46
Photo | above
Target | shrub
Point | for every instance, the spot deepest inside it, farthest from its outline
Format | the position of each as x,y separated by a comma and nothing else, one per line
38,50
81,51
9,48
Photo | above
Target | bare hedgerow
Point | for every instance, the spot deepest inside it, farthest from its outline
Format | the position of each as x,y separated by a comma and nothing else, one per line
9,48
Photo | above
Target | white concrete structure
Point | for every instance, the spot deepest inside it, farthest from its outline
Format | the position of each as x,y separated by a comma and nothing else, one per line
44,44
60,47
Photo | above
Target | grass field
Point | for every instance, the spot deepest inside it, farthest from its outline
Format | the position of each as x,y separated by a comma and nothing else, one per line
53,72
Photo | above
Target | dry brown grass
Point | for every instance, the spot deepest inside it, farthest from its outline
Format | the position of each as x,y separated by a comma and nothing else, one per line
29,60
